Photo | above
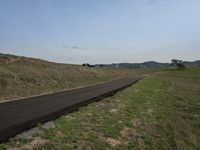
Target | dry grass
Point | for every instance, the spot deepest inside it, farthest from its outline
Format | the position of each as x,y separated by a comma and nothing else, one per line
22,77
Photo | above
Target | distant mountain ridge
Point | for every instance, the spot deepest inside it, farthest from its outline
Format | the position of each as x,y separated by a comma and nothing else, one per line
148,64
9,58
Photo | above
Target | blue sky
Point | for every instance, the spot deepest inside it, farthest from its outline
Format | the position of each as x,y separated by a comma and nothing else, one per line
101,31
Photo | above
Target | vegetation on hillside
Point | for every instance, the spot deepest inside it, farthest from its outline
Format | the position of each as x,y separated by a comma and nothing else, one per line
178,63
22,77
160,112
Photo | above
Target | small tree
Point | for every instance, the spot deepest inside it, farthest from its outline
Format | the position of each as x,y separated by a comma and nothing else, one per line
178,63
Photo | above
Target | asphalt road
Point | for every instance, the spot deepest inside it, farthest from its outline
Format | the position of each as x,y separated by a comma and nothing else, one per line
20,115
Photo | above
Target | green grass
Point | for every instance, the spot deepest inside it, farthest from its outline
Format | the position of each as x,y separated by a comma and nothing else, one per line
160,112
24,77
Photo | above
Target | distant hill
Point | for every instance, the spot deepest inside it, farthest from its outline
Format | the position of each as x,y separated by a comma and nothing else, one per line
194,63
148,64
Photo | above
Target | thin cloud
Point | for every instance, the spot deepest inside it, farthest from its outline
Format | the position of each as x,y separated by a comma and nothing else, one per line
95,48
72,47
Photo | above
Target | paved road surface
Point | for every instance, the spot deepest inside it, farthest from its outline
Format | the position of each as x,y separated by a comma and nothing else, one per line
21,115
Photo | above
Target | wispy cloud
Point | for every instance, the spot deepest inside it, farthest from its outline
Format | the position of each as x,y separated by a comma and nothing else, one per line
72,47
95,48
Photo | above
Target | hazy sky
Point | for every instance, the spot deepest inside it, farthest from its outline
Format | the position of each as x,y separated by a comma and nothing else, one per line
101,31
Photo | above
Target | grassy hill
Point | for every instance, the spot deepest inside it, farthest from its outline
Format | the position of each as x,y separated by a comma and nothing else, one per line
160,112
22,77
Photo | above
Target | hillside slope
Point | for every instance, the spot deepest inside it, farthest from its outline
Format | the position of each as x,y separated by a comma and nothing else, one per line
22,77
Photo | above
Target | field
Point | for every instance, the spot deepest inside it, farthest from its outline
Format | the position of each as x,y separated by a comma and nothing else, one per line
160,112
24,77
